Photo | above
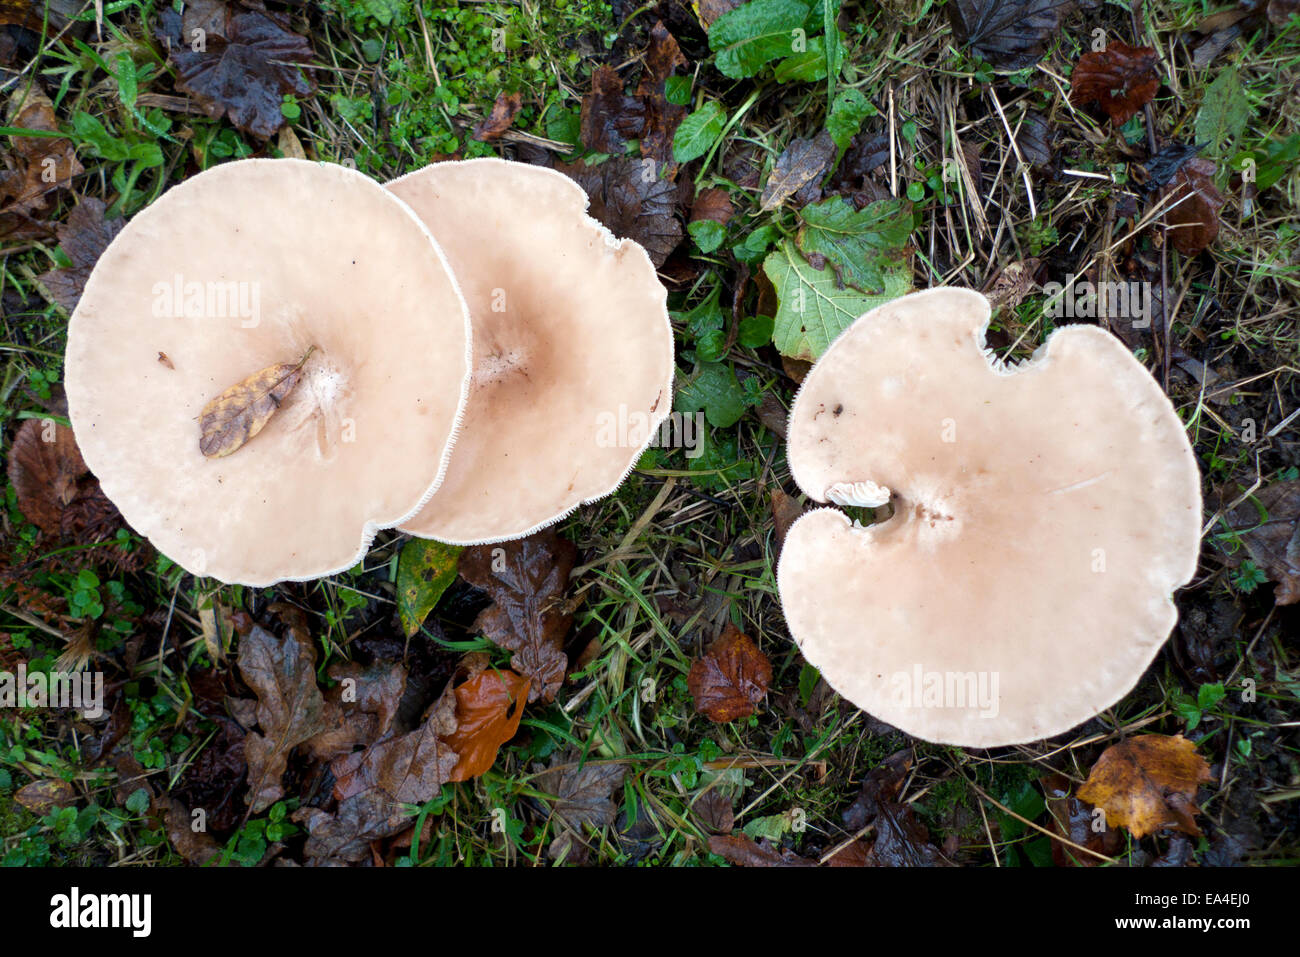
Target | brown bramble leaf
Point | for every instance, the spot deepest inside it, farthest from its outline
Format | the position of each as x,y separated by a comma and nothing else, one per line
239,64
630,198
731,679
1121,79
504,111
1147,783
84,237
526,580
1193,224
489,706
229,421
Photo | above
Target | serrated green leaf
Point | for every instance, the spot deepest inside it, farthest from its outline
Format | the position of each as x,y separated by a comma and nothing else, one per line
424,570
860,244
1223,115
813,308
708,234
851,107
749,37
713,389
698,132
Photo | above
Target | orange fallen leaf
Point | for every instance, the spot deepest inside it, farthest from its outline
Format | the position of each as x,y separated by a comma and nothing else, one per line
1147,783
731,679
488,708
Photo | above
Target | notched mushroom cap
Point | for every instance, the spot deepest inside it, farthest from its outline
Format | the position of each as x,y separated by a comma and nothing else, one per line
244,266
573,348
1042,516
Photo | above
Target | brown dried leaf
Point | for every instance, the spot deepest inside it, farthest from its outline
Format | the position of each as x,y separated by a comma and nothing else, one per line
803,163
526,581
1073,820
290,707
504,111
346,835
488,709
84,237
409,768
234,417
743,851
245,67
1121,79
609,117
360,708
1012,34
631,200
901,840
1147,783
710,10
1194,223
731,679
662,118
582,794
713,204
197,847
1273,542
39,164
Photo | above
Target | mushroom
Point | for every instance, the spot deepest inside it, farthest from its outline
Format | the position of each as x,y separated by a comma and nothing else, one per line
245,266
1043,514
573,364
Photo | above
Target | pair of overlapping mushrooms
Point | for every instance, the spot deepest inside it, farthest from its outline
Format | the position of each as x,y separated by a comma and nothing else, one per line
458,343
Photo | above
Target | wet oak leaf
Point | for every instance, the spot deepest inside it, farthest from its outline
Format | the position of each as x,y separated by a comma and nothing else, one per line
526,580
410,768
234,417
1010,34
504,111
489,706
732,677
1147,783
290,707
804,163
345,836
83,238
247,63
360,708
630,198
1193,224
1121,79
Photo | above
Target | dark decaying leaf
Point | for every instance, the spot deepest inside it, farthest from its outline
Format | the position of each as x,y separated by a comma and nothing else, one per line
215,777
712,204
1194,222
489,706
1035,140
1273,541
409,767
582,794
1147,783
1121,79
196,846
732,677
609,117
36,15
290,708
1162,167
1073,819
804,163
44,795
234,417
901,840
526,580
246,65
55,489
630,199
360,708
1012,34
504,111
743,851
84,237
346,834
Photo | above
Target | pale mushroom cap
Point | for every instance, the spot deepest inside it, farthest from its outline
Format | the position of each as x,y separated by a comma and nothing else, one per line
1044,514
573,348
318,255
